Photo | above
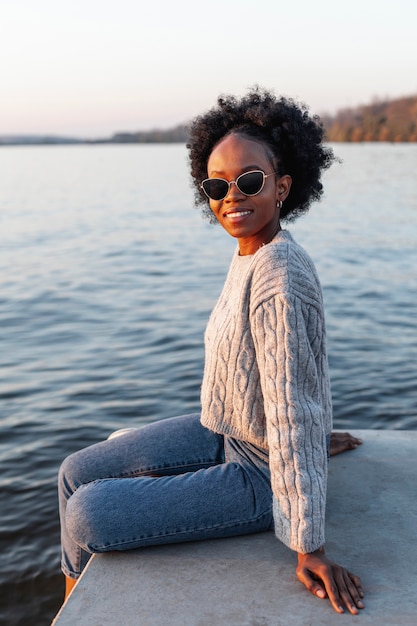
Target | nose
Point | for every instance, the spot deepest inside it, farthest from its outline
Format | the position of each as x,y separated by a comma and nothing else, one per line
233,190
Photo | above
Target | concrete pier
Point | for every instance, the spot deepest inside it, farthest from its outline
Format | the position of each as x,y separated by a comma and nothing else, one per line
250,581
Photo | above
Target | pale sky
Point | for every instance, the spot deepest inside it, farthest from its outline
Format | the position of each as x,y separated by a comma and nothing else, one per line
90,68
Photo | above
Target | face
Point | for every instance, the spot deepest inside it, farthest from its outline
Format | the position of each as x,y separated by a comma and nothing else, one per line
253,220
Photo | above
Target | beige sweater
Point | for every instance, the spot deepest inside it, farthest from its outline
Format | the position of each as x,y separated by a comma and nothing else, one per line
266,379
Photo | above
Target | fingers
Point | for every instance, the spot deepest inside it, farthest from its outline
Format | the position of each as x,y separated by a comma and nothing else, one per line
345,592
356,582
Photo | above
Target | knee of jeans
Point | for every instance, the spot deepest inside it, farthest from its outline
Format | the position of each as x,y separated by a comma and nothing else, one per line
82,517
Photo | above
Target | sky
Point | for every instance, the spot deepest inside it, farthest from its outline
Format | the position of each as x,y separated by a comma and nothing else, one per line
90,68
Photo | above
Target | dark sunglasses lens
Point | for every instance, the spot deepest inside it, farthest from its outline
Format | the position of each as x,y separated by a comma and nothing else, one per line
250,183
216,188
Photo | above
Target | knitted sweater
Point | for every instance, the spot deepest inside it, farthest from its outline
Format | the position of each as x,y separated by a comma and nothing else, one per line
266,379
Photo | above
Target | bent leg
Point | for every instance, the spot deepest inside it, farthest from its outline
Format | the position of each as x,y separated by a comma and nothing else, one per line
219,501
170,446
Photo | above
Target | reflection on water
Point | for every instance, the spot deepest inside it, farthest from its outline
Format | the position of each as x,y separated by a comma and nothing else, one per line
107,278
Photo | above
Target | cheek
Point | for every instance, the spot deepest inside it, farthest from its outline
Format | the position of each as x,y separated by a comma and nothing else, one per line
215,207
268,210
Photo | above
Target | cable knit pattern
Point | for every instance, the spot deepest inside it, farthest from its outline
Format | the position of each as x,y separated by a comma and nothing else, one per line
266,379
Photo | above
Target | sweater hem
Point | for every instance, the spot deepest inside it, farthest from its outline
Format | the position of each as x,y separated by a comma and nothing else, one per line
232,431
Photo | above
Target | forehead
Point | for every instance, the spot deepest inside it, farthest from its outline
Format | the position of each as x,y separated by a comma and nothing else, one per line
236,152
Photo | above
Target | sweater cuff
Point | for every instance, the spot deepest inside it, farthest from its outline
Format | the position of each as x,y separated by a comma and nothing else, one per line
306,539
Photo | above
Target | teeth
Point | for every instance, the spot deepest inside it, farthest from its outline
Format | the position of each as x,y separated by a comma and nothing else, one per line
238,214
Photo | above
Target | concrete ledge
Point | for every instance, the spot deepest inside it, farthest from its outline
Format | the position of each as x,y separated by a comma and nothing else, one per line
250,581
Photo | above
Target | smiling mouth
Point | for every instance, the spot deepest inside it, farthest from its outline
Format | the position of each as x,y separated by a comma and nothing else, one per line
238,214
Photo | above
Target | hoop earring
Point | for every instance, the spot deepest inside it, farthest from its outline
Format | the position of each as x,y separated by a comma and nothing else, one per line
279,205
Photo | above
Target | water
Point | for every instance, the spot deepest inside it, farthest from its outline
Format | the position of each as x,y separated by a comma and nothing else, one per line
107,278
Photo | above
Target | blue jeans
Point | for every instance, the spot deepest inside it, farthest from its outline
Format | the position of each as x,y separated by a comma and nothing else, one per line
167,482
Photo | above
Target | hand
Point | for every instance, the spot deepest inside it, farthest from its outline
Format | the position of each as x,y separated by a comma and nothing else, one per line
339,442
326,579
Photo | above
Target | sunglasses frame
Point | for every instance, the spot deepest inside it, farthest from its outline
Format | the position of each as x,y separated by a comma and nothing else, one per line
231,182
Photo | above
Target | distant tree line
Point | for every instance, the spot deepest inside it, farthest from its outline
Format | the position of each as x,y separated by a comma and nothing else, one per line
391,121
179,134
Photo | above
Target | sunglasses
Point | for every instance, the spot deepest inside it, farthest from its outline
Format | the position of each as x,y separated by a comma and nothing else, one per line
250,184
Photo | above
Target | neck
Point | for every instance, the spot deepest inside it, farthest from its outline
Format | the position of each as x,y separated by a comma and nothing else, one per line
251,246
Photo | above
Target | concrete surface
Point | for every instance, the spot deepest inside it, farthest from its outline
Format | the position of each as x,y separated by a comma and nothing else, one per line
250,581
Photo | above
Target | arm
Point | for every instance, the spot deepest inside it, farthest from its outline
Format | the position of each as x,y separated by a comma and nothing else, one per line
295,399
289,339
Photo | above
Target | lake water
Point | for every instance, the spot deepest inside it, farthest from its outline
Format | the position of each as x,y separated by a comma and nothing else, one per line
107,278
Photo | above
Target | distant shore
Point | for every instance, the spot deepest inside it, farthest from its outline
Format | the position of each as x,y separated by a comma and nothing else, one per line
384,121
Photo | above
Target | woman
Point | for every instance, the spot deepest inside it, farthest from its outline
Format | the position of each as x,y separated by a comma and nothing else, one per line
256,457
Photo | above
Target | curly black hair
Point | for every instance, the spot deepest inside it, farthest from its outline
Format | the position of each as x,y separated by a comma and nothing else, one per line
293,138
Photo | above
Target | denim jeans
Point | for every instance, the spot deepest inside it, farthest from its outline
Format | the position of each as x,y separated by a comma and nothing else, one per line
167,482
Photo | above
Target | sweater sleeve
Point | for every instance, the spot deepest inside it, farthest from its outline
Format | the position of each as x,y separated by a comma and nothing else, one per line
288,334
